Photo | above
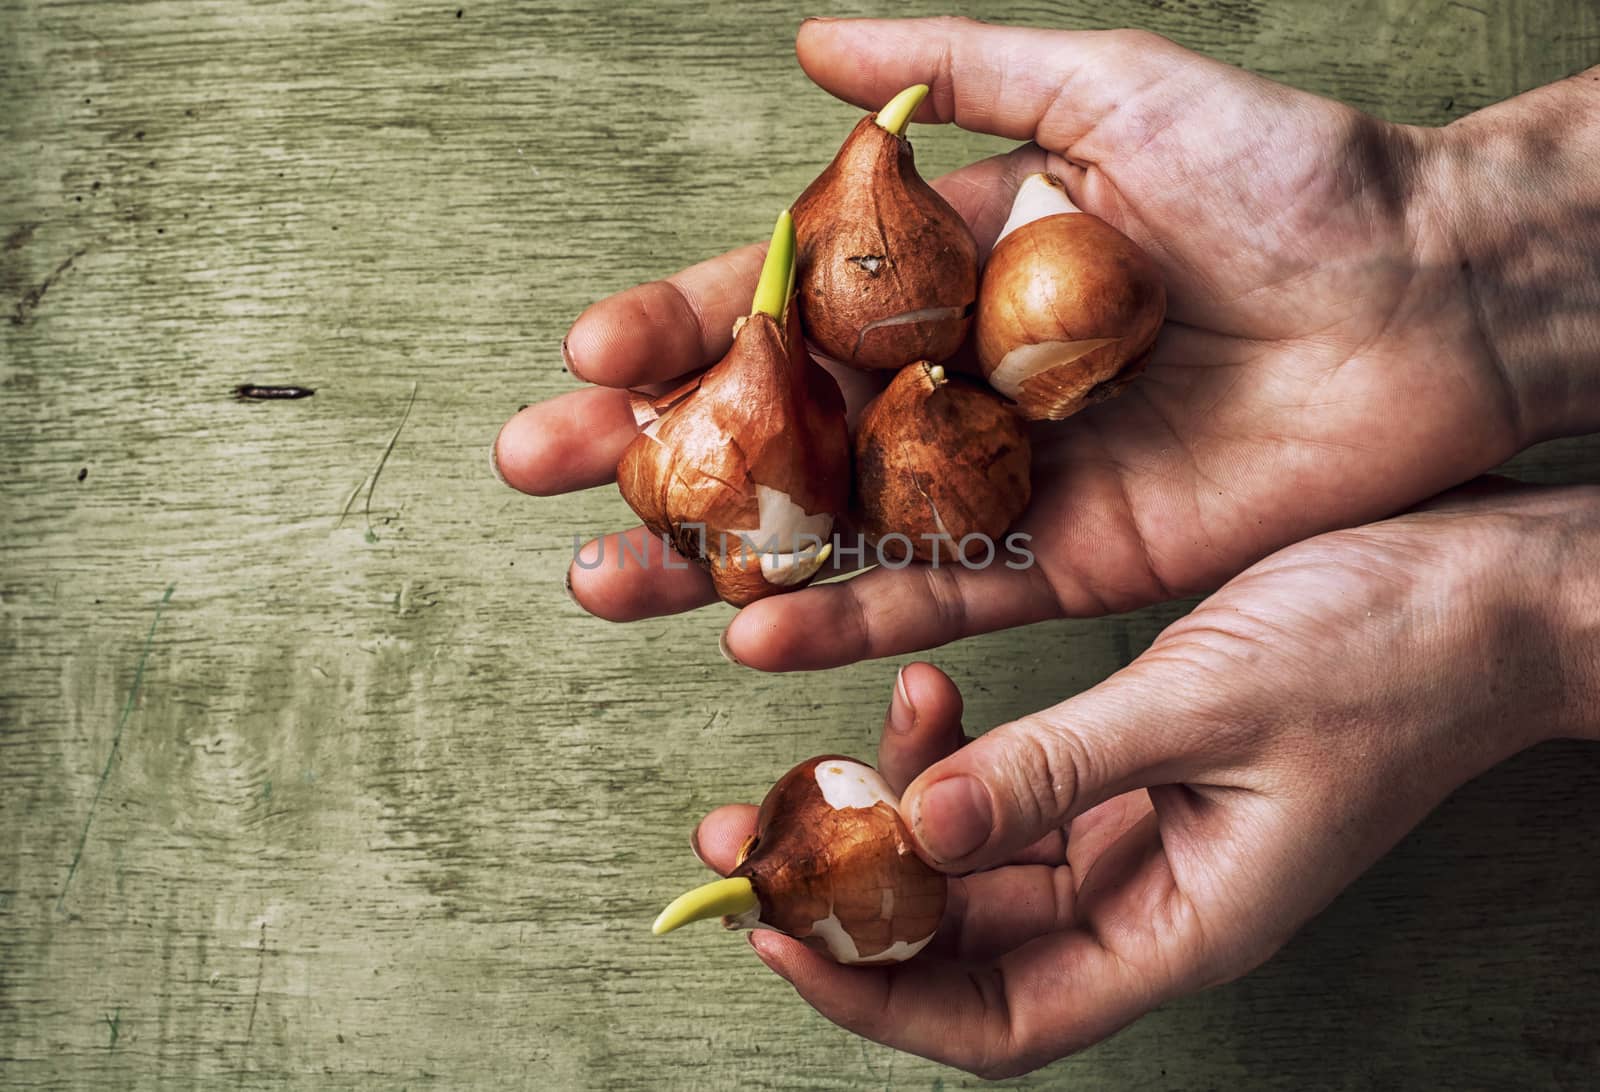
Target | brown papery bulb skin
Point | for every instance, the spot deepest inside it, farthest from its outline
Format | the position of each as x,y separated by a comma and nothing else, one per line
939,459
888,271
755,446
1078,302
833,866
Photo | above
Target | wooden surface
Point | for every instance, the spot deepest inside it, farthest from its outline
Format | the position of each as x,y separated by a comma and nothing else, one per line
370,804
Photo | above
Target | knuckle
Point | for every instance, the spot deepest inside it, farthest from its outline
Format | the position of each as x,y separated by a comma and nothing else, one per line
1135,41
856,1016
870,1024
950,606
1003,1067
872,1013
855,630
1048,764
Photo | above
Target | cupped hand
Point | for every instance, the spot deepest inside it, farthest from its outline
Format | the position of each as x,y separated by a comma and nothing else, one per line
1170,828
1320,367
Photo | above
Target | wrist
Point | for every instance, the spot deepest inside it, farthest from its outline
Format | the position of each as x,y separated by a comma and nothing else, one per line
1541,618
1510,197
1574,599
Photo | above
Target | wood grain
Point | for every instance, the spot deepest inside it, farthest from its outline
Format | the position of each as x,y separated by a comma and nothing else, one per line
388,811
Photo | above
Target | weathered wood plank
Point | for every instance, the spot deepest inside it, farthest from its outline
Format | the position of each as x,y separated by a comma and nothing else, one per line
387,810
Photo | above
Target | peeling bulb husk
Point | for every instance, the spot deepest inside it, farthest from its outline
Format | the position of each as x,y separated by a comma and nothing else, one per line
1026,361
1040,195
745,467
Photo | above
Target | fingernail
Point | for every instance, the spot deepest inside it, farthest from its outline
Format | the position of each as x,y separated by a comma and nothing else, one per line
694,847
727,653
953,818
494,462
567,363
902,714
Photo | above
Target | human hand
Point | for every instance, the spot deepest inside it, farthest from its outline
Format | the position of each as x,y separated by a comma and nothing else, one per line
1170,828
1322,364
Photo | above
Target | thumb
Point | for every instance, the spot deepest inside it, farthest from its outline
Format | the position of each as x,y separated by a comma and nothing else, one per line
1050,86
1023,780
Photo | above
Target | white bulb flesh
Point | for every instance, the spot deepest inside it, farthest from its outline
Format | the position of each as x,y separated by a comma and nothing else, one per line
749,919
1040,195
792,544
843,946
1026,361
908,318
853,785
839,942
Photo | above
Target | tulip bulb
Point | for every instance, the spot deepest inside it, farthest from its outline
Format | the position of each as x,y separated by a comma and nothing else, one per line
888,271
745,467
830,864
942,467
1068,308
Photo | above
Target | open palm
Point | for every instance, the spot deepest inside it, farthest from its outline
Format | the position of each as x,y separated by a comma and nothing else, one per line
1320,367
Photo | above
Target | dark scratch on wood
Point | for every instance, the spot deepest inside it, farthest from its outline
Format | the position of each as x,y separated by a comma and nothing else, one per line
372,481
116,742
255,1000
255,392
19,238
30,299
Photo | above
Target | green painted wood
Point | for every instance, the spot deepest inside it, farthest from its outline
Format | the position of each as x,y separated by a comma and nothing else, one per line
371,804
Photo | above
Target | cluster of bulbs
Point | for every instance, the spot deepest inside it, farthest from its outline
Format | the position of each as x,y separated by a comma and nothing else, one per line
873,269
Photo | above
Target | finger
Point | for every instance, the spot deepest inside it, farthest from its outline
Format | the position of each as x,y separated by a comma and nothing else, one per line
886,612
922,726
1018,82
663,329
1054,995
1114,890
1097,829
571,442
1150,724
575,440
721,834
632,575
926,1007
991,913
